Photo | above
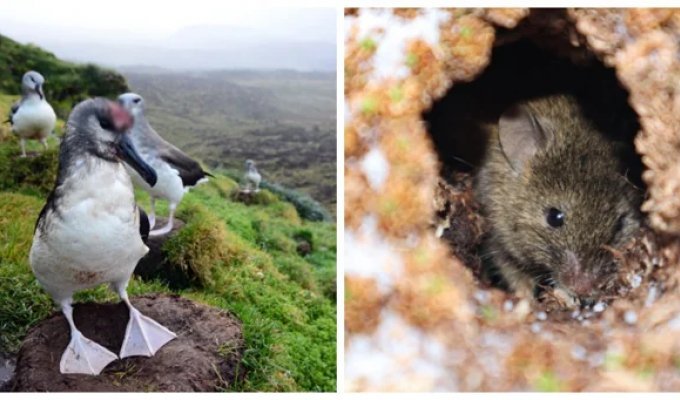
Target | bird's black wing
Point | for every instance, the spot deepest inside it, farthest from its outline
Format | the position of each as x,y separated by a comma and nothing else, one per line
144,226
189,170
12,111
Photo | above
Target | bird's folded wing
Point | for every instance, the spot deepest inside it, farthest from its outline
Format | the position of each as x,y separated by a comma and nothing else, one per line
190,171
12,111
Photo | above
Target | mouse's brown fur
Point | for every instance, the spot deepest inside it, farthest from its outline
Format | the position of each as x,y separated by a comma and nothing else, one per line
545,154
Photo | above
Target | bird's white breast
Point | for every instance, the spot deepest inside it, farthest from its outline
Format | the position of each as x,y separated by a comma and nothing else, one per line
35,118
253,176
94,235
168,185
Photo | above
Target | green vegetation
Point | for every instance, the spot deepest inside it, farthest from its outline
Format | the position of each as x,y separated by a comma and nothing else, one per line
66,83
548,382
244,258
307,207
245,261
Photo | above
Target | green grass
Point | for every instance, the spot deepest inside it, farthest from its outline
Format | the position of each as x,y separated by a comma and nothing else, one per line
244,259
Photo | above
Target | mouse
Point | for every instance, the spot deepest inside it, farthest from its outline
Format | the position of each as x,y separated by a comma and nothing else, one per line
555,193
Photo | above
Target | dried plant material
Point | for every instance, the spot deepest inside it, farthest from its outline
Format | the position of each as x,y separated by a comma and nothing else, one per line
457,220
441,329
506,17
363,303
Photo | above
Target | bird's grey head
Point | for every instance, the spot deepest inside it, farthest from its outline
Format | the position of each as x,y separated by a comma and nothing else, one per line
100,121
32,82
250,163
101,128
132,102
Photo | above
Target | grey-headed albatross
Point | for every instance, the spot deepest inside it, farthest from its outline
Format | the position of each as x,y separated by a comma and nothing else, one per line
177,172
90,231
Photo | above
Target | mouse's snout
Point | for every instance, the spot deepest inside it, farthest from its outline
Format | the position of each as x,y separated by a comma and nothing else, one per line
584,278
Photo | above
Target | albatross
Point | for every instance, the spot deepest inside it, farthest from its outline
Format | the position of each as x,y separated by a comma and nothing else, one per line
177,172
32,117
251,177
90,230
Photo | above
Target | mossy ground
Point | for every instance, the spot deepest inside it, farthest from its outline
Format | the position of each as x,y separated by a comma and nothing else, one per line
244,258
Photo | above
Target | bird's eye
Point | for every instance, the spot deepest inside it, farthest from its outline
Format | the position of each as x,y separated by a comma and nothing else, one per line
137,100
554,217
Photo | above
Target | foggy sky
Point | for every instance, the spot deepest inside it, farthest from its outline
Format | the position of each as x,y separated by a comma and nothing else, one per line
195,34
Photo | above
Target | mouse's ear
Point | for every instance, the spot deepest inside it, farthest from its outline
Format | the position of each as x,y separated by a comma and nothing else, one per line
521,136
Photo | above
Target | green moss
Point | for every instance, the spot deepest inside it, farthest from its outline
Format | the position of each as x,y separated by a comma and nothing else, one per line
435,286
368,44
265,197
198,245
271,239
411,60
299,272
287,212
613,360
548,382
389,207
396,93
306,207
33,174
304,235
489,313
369,106
220,186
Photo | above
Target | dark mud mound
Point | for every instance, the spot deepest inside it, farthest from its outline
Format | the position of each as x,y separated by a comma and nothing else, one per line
204,357
155,264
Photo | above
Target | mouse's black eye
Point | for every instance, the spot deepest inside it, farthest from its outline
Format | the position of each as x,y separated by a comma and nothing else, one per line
555,217
620,222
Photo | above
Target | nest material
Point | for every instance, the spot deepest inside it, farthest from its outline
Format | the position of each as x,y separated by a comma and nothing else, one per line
420,312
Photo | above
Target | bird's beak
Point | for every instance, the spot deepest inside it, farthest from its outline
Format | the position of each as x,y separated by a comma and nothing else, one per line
128,153
39,90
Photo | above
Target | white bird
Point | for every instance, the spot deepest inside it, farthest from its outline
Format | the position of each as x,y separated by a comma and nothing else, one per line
90,231
32,117
251,177
177,172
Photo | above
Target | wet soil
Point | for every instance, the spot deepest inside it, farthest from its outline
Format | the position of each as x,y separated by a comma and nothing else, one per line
205,356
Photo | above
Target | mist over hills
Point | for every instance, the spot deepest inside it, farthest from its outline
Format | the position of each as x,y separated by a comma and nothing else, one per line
304,56
303,44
